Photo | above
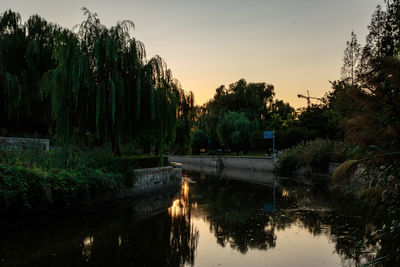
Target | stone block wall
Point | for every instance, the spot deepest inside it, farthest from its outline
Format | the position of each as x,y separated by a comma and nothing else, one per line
155,179
151,181
14,143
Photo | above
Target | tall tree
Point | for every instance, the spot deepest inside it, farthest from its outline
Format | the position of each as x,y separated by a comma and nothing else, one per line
25,55
93,81
351,59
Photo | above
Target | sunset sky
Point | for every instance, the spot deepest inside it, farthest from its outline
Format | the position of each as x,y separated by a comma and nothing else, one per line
296,45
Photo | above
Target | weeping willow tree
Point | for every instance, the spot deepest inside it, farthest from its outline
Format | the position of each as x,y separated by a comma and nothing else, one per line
90,81
163,108
186,114
25,55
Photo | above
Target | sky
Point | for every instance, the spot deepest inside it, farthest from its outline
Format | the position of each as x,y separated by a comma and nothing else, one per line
296,45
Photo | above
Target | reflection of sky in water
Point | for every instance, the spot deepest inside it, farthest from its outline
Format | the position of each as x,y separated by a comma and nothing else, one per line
212,222
295,247
294,244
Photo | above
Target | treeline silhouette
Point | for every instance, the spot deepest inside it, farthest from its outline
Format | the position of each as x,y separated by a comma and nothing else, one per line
237,116
92,84
367,101
362,107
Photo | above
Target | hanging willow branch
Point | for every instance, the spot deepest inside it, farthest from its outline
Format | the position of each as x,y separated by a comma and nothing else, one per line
92,80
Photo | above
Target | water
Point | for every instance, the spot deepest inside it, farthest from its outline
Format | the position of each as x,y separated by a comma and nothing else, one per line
213,221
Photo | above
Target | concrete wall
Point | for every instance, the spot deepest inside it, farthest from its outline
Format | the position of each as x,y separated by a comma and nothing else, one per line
245,175
151,181
249,163
14,143
208,162
243,162
155,179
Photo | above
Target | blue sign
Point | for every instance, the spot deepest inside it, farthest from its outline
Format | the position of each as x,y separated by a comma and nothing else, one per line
269,135
270,208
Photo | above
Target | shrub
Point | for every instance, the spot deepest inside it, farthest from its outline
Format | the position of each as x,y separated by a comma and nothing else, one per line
315,154
288,162
42,181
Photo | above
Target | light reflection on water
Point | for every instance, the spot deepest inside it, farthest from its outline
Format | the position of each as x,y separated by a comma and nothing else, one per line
87,247
213,221
179,205
299,233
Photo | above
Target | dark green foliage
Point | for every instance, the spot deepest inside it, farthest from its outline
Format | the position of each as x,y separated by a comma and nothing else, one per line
144,161
288,163
369,111
234,131
252,99
93,82
200,141
32,181
315,155
186,115
351,60
320,121
32,189
25,56
256,103
236,114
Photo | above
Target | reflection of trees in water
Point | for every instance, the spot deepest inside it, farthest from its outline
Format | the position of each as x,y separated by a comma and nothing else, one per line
184,236
250,233
347,231
113,240
334,220
167,239
236,217
233,210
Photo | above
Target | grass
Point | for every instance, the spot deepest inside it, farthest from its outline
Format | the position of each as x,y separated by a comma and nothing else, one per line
33,181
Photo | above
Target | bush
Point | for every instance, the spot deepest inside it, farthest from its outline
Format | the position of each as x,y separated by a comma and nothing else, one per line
288,163
144,161
43,181
315,154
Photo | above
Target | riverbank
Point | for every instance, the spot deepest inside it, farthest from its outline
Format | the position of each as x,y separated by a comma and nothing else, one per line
249,163
209,216
318,158
34,182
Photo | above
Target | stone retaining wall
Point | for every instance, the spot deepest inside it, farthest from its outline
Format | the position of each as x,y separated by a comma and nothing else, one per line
155,179
14,143
242,162
147,181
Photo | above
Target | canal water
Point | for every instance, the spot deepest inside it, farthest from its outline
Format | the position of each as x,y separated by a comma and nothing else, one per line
211,221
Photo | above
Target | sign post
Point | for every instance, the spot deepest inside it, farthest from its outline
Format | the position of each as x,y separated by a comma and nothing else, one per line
270,135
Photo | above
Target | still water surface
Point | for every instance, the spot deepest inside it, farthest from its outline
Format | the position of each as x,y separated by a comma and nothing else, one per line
212,221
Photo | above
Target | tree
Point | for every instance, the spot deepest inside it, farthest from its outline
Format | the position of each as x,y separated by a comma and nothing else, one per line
234,131
199,140
25,56
284,110
93,81
374,125
351,59
252,99
383,39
